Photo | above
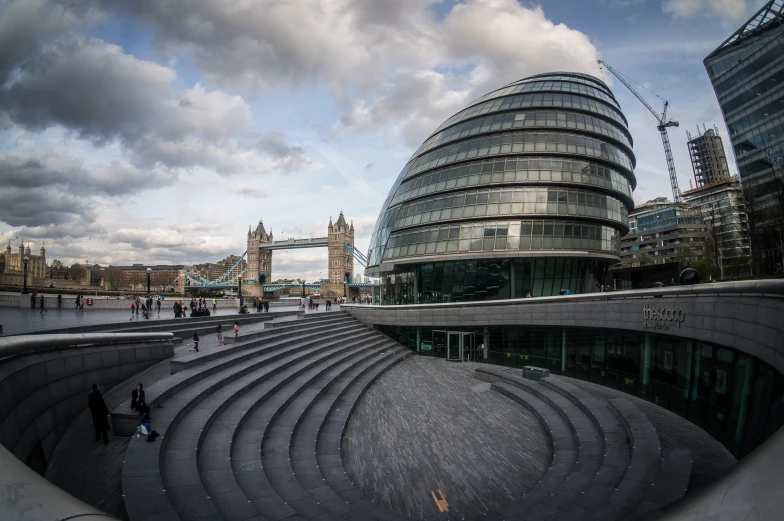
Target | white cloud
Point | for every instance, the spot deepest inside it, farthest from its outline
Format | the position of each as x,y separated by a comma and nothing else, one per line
736,10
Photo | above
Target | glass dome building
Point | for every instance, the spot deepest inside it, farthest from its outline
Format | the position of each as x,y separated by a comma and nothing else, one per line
527,189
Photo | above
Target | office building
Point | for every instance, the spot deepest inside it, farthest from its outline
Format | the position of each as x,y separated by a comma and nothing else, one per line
723,210
659,231
527,189
747,73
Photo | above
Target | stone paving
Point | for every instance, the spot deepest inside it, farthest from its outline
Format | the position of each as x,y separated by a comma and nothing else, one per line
17,321
427,424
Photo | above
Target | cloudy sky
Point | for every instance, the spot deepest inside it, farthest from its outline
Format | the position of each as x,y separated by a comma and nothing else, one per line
157,131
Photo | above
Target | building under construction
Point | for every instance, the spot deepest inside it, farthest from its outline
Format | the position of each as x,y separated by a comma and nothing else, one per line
707,157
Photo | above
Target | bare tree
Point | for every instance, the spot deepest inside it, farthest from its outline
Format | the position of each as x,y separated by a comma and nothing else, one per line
111,275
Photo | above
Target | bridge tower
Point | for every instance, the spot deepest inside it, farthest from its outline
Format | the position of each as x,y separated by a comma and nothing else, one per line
259,261
340,261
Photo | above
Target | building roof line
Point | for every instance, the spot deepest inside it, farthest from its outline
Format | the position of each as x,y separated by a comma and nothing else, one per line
773,10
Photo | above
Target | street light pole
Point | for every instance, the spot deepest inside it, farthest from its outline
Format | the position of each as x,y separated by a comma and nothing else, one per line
149,271
24,288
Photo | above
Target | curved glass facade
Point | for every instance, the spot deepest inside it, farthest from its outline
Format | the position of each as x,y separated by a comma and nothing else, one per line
543,165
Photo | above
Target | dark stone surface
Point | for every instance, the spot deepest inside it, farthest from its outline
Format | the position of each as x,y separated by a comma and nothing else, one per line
710,458
427,425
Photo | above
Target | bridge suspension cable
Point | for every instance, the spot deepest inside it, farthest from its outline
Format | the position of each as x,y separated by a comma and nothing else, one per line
357,254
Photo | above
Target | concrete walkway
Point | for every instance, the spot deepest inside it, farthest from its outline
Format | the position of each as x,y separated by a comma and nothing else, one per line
17,321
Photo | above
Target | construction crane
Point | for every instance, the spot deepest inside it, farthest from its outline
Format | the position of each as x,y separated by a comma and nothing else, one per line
662,126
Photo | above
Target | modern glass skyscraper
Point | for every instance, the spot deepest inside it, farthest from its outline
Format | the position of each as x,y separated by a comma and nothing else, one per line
747,73
527,189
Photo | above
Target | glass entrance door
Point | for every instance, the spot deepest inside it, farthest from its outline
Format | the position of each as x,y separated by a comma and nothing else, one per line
454,346
469,349
439,343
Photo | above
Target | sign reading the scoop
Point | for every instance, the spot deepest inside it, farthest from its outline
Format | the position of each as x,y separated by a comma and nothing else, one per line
657,318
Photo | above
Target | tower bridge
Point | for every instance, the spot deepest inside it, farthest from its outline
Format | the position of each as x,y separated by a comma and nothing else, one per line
254,267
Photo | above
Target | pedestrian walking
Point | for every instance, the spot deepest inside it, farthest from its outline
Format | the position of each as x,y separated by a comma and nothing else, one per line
266,306
100,414
236,329
219,330
43,309
59,301
133,309
77,302
214,303
195,342
32,299
158,305
81,304
138,304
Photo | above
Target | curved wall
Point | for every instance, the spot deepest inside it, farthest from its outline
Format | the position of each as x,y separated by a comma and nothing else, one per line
542,167
41,392
713,353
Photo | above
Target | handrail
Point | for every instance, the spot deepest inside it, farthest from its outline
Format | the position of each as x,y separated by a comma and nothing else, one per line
24,344
26,495
773,287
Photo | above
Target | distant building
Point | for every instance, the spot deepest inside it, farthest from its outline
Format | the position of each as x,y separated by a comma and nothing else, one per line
661,229
723,210
708,160
14,264
747,73
213,270
161,275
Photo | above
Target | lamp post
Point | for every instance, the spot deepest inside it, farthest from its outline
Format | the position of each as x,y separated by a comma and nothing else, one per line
24,288
149,272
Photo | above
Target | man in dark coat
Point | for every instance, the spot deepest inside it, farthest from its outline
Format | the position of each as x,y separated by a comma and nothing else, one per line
99,411
138,402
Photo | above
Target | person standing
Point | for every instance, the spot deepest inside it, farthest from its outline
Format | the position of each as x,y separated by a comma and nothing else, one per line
59,301
214,303
77,302
158,305
266,306
236,329
100,414
81,304
43,309
219,330
138,304
195,342
32,299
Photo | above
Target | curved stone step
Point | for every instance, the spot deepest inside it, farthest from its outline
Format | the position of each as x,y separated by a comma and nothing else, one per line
671,482
617,445
221,438
276,456
250,340
304,463
181,474
142,483
565,452
646,458
125,420
328,450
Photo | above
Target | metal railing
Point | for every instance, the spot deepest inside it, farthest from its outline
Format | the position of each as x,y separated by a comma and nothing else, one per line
769,287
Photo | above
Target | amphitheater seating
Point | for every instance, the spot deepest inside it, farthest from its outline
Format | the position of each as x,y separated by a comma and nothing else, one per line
252,430
607,464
